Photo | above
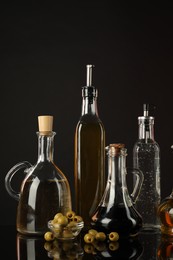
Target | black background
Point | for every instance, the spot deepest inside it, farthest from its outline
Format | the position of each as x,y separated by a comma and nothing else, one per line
44,50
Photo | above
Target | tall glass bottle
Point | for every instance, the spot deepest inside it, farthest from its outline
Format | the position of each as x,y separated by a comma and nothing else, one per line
45,189
89,161
146,157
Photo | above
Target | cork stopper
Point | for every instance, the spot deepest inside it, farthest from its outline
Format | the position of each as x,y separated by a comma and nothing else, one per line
45,124
116,149
117,145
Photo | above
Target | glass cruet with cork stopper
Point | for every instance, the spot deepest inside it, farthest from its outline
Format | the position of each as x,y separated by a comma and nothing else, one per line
45,190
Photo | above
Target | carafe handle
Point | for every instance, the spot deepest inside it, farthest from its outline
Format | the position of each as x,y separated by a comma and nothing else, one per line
8,178
139,181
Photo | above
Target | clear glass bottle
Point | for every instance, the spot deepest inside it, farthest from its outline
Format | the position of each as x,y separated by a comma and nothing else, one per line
116,211
89,161
45,189
146,157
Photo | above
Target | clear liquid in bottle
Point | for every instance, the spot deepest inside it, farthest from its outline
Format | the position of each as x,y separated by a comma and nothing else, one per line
146,157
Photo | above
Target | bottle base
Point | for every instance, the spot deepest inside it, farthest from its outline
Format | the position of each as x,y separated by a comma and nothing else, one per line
30,233
150,228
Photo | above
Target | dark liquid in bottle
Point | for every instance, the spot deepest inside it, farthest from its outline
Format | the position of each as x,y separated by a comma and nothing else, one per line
124,220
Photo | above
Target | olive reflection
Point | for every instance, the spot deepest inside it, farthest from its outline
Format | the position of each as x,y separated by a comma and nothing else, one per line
36,248
121,249
64,250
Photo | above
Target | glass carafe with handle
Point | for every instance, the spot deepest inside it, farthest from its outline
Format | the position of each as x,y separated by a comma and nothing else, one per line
45,190
116,211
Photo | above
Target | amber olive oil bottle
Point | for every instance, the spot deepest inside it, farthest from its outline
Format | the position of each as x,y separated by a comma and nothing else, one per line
89,161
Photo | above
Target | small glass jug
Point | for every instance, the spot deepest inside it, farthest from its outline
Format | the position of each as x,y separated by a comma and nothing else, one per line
116,211
45,190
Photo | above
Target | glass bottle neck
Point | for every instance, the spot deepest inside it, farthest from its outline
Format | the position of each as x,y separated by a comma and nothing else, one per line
89,101
89,106
116,184
117,170
45,146
146,131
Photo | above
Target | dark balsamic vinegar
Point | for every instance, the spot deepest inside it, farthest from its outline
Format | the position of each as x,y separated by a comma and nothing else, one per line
124,220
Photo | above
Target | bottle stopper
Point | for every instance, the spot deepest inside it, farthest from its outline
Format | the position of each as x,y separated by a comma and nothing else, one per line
116,148
45,124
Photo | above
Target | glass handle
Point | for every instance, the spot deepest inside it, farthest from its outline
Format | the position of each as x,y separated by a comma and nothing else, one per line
8,178
139,181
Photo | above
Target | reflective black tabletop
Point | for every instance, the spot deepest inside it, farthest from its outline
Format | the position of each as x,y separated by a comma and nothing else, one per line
145,246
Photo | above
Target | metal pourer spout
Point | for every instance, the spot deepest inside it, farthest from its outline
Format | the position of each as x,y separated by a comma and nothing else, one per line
146,109
89,75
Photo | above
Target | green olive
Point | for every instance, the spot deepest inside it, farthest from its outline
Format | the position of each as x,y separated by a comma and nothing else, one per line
88,238
57,226
113,236
77,218
57,216
49,236
100,236
62,220
72,226
70,214
92,232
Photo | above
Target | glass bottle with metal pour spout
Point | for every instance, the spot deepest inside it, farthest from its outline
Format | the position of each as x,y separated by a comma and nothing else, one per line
89,161
116,211
45,189
146,157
